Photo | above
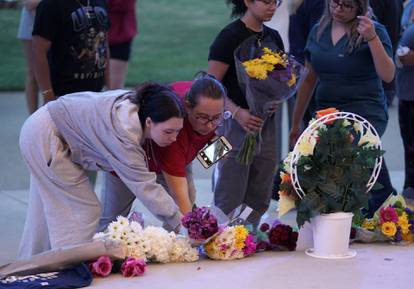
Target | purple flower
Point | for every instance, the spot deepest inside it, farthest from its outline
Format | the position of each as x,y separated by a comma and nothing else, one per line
276,222
397,236
200,223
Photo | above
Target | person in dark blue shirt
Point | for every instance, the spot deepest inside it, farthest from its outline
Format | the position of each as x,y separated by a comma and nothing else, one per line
349,54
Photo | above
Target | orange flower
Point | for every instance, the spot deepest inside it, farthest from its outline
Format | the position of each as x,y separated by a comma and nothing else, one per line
285,177
323,112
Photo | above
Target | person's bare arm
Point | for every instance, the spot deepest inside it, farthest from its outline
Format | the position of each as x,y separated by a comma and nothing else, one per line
384,65
41,47
303,98
178,187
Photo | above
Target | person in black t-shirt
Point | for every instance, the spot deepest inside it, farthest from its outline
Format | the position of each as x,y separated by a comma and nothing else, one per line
70,46
236,184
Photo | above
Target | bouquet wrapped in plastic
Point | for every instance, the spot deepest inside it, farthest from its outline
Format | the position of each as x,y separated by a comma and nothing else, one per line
200,223
231,242
393,221
267,76
152,244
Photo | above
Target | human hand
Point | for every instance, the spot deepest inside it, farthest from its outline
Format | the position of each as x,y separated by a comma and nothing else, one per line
366,27
248,121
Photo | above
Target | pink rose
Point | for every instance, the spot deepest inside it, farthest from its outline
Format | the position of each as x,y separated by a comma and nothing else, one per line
133,267
101,267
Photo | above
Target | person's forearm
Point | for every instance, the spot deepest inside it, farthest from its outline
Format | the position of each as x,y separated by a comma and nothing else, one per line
303,97
383,63
42,73
178,188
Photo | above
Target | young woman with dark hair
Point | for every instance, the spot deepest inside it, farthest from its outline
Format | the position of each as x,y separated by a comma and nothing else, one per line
93,131
254,181
203,100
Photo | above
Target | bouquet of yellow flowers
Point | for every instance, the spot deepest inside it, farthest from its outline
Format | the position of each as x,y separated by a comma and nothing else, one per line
267,76
393,221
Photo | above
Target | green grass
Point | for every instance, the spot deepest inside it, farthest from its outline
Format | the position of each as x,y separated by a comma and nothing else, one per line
173,41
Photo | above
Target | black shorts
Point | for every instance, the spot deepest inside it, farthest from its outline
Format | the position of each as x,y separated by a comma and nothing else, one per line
120,51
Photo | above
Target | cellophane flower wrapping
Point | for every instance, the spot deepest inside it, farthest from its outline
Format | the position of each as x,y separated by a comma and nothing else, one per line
231,242
200,223
152,244
393,221
267,77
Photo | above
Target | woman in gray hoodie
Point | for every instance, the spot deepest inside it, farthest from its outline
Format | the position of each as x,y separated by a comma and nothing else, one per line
93,131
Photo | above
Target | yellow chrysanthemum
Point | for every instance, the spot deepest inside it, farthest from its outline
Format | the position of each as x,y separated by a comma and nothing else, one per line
240,234
408,237
389,229
403,219
271,59
368,224
257,68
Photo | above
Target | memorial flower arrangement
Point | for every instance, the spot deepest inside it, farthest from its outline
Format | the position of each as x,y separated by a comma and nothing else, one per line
152,244
231,242
267,76
335,162
200,223
393,221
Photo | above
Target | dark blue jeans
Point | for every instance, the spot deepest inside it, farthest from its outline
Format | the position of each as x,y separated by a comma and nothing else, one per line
406,120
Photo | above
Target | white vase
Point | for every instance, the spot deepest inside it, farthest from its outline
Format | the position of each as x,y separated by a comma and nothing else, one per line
331,236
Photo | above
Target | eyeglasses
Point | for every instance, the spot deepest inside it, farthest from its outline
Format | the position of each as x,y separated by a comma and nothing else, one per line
271,2
216,120
344,6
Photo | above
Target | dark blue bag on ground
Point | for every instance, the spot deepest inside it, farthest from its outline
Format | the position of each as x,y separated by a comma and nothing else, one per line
74,277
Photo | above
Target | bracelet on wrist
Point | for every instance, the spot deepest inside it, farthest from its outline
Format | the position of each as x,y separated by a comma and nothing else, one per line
47,91
372,38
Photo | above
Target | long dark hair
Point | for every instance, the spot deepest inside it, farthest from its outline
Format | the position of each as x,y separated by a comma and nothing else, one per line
205,85
238,8
354,39
156,101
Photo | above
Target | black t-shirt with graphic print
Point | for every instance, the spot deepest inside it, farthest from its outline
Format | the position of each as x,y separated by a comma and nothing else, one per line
78,53
223,48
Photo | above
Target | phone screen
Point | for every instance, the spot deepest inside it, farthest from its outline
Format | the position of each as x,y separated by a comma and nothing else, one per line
214,152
